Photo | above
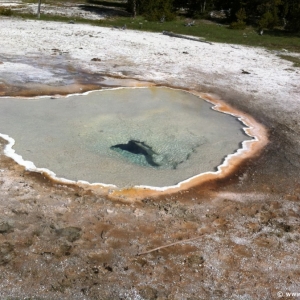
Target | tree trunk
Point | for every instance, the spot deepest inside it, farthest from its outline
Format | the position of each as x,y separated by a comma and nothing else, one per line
134,8
39,9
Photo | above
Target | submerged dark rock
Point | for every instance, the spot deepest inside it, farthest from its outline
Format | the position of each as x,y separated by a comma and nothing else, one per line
136,147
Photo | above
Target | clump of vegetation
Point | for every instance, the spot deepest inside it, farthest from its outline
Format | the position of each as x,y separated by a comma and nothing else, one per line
159,10
292,59
241,17
197,9
268,20
293,24
6,12
152,10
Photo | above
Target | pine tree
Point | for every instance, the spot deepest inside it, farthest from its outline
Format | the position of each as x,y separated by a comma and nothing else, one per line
153,10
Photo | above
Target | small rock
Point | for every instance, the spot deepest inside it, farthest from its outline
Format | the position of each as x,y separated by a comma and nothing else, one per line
96,59
266,216
254,227
108,267
245,72
148,292
70,233
195,261
5,227
139,213
6,253
64,249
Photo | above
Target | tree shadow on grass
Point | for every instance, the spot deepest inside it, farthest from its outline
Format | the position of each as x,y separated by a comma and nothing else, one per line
101,10
108,3
281,33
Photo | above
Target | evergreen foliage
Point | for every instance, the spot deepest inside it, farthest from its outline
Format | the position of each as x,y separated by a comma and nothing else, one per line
240,22
265,14
153,10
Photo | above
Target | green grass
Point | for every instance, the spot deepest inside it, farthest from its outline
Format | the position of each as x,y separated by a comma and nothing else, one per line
97,2
6,12
55,18
122,4
293,59
30,1
214,33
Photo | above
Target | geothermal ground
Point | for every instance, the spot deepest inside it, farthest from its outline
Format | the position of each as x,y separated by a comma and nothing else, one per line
235,238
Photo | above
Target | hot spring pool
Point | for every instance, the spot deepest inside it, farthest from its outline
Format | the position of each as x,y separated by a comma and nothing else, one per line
125,137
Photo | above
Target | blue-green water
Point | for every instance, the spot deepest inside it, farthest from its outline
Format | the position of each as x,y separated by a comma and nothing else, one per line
129,136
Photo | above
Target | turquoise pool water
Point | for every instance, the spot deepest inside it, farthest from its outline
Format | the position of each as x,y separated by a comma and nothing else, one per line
128,136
